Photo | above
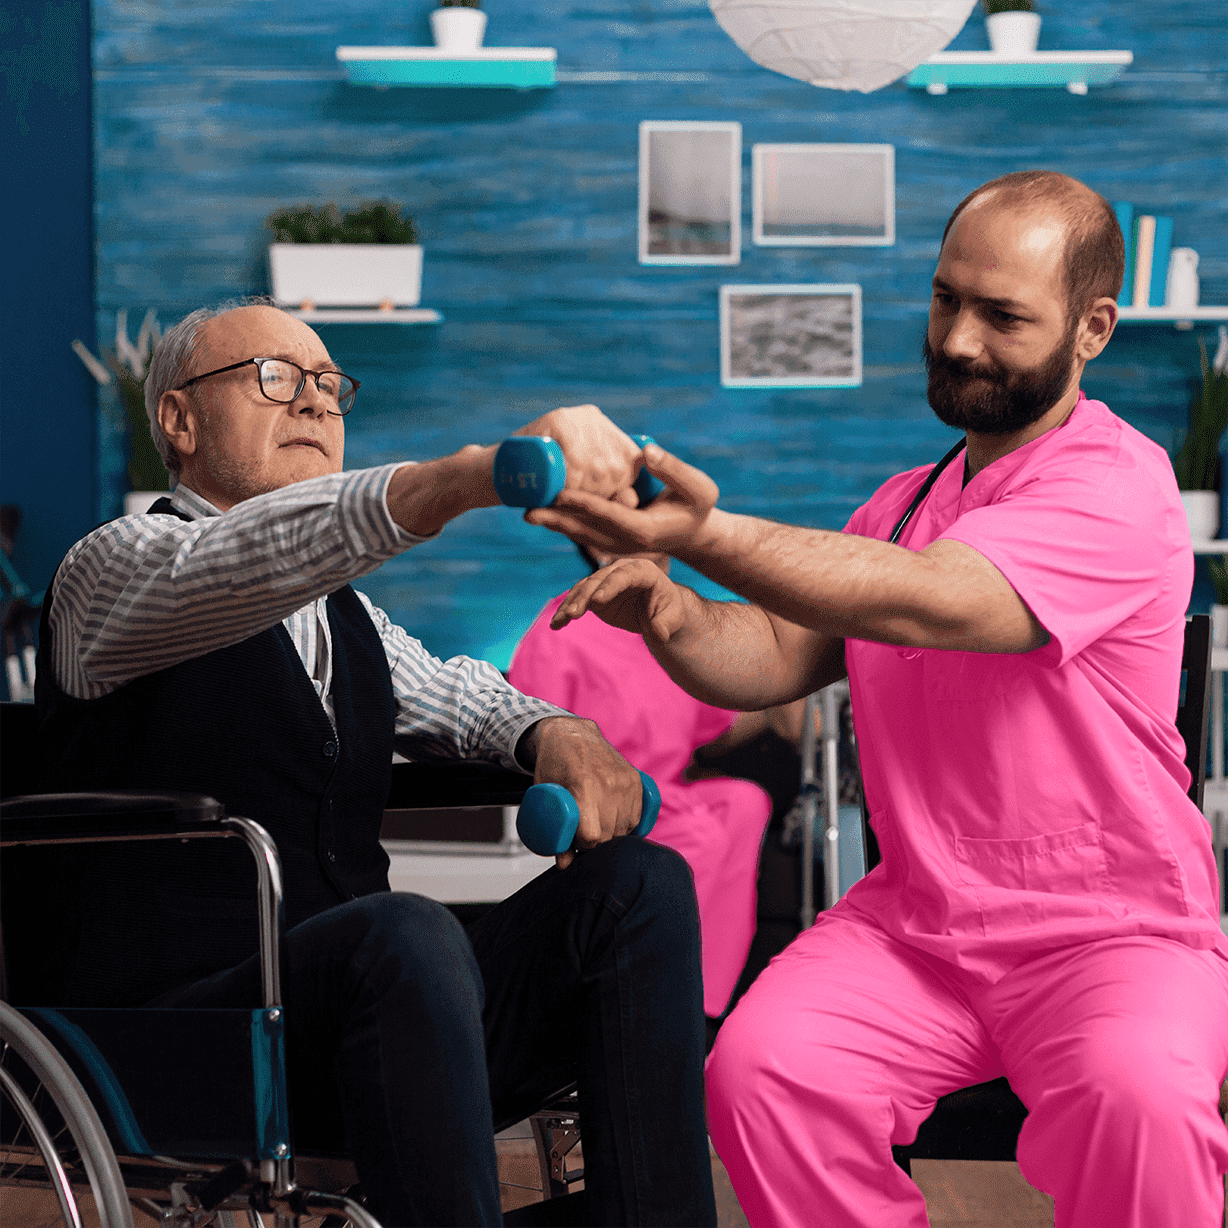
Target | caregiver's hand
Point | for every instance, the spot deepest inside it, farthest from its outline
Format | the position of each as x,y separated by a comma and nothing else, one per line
633,594
674,521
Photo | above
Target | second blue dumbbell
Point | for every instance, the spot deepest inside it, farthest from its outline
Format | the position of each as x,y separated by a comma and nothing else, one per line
530,471
549,816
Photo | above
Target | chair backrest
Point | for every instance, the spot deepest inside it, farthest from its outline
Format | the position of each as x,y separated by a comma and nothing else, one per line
18,734
1193,714
414,785
1194,707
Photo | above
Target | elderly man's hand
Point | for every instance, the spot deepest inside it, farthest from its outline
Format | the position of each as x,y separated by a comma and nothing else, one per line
601,459
602,463
571,752
673,521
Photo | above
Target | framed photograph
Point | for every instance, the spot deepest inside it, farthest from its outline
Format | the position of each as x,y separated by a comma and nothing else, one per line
690,192
823,195
791,336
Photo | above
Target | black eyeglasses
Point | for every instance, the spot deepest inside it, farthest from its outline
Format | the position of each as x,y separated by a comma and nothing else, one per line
282,381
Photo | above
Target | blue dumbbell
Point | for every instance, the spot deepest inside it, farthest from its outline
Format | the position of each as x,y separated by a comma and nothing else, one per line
646,485
530,471
549,816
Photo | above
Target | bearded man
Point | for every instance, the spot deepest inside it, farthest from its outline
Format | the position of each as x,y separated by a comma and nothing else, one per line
1047,904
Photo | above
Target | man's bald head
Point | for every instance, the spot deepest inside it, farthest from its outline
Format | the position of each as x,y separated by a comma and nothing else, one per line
1095,256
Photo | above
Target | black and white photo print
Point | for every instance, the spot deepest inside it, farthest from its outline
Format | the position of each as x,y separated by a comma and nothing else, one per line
690,193
791,336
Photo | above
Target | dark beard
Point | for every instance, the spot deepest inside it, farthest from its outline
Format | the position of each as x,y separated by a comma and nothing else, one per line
992,401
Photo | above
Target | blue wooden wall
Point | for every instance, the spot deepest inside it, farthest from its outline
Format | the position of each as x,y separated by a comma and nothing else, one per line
211,113
48,406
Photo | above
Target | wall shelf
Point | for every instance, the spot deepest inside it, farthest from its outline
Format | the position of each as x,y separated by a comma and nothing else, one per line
1171,315
367,315
487,67
1075,70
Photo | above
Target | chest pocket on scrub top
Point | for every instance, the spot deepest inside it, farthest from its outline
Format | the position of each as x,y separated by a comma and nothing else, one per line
1054,878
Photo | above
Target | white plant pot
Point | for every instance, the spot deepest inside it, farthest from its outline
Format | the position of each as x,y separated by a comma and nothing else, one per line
457,28
1013,33
1202,511
346,274
137,502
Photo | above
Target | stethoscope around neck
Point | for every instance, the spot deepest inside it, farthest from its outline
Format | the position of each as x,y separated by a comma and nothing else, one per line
926,487
918,499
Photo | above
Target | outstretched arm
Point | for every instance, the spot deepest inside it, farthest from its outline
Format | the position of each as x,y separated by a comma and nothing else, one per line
146,592
725,653
829,585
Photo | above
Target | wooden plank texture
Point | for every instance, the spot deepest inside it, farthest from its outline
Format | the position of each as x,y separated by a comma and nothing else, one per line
212,113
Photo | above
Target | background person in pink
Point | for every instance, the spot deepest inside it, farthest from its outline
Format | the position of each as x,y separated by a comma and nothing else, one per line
1047,904
609,676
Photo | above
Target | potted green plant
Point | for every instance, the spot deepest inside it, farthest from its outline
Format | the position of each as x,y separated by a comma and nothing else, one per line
1012,25
368,257
125,367
1197,461
458,25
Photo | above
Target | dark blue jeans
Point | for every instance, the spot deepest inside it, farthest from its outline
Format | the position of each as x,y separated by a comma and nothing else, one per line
416,1035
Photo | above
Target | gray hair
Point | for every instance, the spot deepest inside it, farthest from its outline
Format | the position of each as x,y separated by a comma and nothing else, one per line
171,363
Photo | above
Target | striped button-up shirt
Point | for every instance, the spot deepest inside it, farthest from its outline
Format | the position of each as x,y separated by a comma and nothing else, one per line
143,593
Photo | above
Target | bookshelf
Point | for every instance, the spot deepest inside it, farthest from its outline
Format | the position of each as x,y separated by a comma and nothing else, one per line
1182,318
368,315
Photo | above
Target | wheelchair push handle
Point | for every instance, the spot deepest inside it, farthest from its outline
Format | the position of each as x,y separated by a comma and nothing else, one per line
549,816
530,471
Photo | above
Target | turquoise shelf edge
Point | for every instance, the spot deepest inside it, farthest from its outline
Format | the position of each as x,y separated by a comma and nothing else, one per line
1013,74
510,74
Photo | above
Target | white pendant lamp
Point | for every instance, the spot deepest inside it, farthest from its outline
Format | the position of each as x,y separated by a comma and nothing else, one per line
842,44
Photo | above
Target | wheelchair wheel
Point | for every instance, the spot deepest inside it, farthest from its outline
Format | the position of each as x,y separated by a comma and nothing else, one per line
50,1135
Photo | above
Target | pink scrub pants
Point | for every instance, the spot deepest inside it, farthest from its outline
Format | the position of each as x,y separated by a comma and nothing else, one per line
843,1045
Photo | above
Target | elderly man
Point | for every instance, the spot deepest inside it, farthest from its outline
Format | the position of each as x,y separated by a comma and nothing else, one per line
216,645
1046,907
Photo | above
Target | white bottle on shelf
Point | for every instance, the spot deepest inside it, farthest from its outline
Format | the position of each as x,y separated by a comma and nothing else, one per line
1181,287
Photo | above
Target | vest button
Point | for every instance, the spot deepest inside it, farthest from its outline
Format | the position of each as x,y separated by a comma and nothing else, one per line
330,750
331,855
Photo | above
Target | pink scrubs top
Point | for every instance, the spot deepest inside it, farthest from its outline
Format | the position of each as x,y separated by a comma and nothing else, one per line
1027,802
609,676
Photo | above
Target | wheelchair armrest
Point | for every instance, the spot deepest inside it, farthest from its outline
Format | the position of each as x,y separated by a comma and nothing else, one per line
139,814
450,783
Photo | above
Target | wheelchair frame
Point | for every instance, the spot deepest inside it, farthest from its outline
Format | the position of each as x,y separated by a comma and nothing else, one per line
198,1191
184,1187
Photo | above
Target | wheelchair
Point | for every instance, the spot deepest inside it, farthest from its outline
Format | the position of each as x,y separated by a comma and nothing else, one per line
182,1114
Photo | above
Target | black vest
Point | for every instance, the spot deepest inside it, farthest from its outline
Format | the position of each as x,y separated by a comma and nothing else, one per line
244,725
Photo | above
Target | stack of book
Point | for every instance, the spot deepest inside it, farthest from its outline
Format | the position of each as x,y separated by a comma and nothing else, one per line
1149,242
